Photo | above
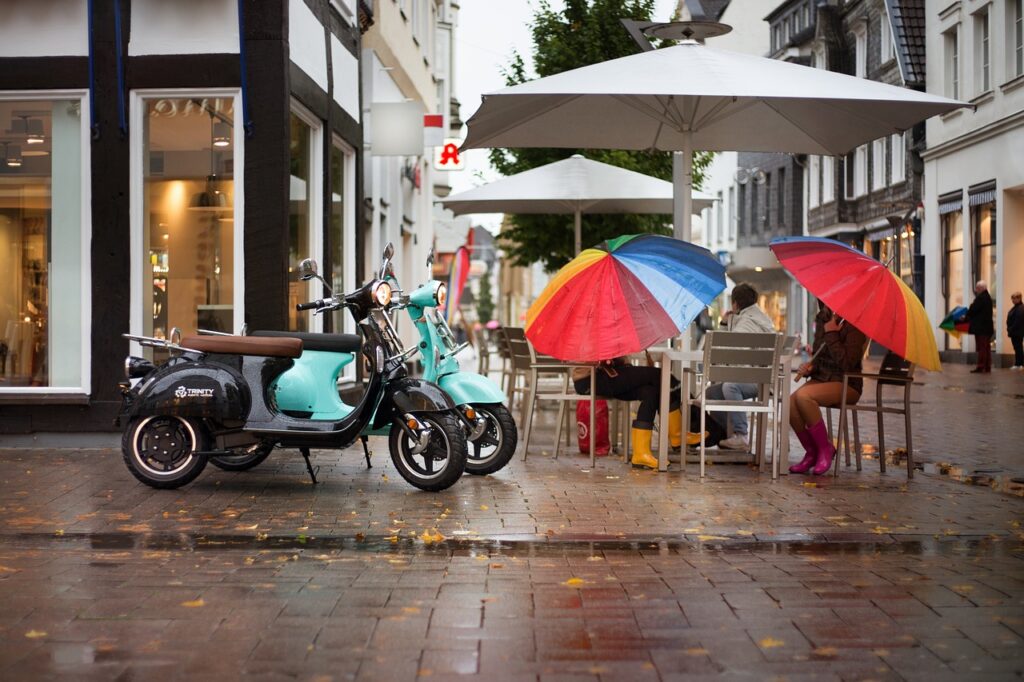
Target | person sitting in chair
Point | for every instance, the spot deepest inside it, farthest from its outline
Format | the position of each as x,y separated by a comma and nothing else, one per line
839,348
746,316
619,380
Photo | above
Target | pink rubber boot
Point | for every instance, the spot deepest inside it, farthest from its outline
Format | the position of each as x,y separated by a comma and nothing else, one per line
810,453
823,446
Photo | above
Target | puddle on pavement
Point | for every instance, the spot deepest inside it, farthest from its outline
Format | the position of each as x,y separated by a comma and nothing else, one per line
979,545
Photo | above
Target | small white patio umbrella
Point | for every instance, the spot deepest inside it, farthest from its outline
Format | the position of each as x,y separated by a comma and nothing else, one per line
690,97
575,185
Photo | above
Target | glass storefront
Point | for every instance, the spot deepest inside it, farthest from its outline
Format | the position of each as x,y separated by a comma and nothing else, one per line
41,243
299,219
188,215
336,231
953,266
983,219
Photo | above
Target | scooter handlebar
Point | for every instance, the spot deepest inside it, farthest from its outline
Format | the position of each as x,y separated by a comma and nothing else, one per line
314,305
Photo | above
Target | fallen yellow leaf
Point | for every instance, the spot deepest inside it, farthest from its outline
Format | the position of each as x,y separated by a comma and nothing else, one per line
573,582
431,536
696,651
809,484
771,643
195,603
484,507
35,634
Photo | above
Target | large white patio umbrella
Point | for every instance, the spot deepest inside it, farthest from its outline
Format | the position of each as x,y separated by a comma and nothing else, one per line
690,96
575,185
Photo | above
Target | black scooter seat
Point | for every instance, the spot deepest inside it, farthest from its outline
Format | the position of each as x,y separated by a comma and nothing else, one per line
332,343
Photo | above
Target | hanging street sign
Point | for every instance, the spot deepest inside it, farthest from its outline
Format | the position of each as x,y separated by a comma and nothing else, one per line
447,157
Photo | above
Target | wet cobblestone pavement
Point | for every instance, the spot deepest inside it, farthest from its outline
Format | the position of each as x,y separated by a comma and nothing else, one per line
548,570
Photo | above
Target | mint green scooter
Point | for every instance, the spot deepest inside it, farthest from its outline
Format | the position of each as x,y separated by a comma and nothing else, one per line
494,437
308,389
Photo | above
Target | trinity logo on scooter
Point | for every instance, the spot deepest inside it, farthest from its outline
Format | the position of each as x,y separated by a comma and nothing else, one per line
185,392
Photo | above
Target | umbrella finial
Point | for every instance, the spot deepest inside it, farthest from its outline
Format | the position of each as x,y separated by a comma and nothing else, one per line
687,31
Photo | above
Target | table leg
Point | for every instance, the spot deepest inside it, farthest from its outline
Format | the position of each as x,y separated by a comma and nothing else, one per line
684,405
663,401
782,465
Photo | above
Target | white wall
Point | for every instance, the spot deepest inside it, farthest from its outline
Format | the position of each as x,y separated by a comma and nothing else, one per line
183,27
345,68
306,45
44,28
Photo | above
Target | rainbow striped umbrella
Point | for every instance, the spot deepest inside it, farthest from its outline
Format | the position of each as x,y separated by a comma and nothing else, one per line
622,296
864,292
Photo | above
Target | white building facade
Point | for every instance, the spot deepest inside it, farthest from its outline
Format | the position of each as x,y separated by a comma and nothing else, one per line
974,163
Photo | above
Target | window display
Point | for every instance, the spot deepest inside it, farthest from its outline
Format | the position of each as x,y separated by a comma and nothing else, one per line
188,215
41,278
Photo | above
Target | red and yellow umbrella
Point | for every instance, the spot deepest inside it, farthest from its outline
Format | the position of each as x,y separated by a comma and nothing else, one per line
864,292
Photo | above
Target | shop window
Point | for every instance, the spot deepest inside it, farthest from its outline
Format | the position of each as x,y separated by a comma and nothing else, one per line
188,215
341,232
304,184
885,37
983,239
44,287
953,257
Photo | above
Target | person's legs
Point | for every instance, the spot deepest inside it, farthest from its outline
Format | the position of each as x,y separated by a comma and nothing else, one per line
809,400
738,392
984,348
645,388
1018,350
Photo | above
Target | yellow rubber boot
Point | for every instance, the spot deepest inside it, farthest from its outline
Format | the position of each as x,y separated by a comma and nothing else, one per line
642,456
675,431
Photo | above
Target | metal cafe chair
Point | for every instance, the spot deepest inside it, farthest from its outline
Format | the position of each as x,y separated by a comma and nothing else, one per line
894,371
741,358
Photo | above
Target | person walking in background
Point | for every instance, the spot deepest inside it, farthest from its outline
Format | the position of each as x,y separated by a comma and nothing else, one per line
746,316
1015,330
981,326
839,348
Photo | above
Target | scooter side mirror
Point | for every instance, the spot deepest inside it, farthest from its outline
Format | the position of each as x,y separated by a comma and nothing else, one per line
385,265
307,269
430,258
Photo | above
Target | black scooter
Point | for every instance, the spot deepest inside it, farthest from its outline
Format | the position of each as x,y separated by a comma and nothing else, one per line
211,399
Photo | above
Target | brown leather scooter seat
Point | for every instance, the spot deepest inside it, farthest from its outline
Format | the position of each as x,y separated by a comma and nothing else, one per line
245,345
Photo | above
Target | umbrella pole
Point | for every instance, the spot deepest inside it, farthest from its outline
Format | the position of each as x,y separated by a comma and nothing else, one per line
682,207
682,190
578,230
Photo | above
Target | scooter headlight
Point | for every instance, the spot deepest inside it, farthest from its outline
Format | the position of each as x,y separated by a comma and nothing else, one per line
382,294
136,367
441,295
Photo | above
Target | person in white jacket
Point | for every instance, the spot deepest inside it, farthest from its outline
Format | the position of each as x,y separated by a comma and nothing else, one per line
745,316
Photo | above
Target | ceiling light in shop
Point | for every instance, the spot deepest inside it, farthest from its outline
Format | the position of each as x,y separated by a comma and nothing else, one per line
13,156
34,130
221,134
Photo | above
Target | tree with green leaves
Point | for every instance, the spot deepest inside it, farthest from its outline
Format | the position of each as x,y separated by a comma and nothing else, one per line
584,32
485,299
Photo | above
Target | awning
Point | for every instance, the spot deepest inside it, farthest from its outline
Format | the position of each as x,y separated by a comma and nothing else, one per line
951,203
982,194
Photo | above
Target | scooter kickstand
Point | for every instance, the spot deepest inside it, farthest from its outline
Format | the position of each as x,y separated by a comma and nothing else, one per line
366,451
309,466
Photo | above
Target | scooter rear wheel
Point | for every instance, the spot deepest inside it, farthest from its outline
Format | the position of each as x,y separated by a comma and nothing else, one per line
244,461
496,445
441,464
161,450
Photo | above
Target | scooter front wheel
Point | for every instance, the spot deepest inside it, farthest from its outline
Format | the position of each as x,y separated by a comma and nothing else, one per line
161,450
436,464
493,448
